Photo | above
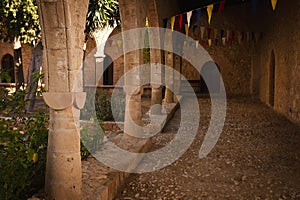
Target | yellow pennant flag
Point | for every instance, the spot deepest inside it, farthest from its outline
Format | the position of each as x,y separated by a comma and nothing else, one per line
209,12
239,37
209,42
186,30
119,42
273,2
172,22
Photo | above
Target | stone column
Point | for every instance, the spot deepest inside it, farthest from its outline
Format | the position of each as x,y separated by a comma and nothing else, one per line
63,24
155,60
132,16
99,69
177,76
169,61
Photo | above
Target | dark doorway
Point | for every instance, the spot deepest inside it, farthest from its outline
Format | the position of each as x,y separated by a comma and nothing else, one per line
212,73
7,69
272,79
108,75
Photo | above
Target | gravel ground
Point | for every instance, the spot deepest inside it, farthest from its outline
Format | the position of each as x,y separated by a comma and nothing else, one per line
256,157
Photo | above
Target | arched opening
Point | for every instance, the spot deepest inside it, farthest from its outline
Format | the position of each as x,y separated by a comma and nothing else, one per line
211,71
7,69
272,79
108,75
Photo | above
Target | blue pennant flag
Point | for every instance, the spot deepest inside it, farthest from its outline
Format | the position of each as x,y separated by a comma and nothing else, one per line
199,16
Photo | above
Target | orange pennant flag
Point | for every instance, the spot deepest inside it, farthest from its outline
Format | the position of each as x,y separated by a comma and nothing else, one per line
209,42
186,30
273,2
172,22
209,12
119,42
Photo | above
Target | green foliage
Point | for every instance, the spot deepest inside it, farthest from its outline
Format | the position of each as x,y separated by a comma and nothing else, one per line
19,19
23,145
102,105
91,137
101,13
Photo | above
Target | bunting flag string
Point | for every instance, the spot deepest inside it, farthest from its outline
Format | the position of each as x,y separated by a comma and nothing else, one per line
172,21
273,2
239,37
209,42
189,16
208,32
209,12
197,44
180,22
165,23
215,33
254,5
119,42
202,29
186,30
221,6
198,16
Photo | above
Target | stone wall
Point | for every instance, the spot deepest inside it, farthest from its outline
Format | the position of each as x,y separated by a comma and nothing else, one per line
281,35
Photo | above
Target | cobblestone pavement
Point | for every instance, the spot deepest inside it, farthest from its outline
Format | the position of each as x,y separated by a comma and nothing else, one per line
256,157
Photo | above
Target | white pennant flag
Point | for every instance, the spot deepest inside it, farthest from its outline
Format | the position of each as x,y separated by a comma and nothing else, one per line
202,29
189,16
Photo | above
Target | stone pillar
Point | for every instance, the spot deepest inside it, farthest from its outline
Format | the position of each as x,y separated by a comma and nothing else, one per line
169,61
155,60
63,24
132,16
99,69
177,76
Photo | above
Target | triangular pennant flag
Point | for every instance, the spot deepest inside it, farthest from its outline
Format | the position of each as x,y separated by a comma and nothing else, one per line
202,29
273,2
222,33
180,22
165,23
186,30
254,5
209,12
248,36
215,33
221,6
224,40
109,43
189,16
119,42
209,42
239,37
197,44
198,16
203,42
228,35
172,21
208,32
216,41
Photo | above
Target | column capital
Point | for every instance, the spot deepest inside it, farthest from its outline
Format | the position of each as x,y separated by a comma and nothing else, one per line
63,100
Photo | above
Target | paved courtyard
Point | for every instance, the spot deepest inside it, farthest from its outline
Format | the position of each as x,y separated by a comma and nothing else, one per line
256,157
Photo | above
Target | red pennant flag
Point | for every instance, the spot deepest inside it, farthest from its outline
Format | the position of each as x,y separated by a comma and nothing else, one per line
109,43
180,21
208,32
203,42
221,6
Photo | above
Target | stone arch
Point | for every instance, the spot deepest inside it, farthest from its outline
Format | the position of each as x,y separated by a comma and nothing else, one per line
213,77
272,78
108,75
7,69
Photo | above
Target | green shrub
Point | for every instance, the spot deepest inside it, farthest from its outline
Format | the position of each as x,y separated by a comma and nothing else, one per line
23,146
